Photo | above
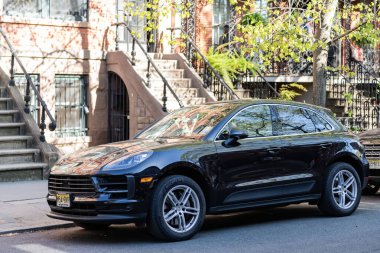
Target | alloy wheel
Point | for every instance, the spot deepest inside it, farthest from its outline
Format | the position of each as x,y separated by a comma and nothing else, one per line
344,189
181,208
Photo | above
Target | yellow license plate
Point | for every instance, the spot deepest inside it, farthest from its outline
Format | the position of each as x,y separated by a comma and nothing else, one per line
63,199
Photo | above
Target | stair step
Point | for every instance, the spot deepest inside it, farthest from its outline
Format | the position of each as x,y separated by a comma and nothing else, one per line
8,116
14,142
186,102
5,103
11,156
180,92
172,73
161,64
173,82
7,129
21,171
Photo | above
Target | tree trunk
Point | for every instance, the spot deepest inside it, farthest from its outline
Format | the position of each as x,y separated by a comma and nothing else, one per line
320,55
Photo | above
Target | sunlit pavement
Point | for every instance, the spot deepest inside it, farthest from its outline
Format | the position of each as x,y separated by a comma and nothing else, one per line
295,228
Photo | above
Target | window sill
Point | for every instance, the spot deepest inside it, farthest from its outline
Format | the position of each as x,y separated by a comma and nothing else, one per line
43,22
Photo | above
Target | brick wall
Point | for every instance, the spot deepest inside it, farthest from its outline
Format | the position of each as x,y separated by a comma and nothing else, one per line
49,47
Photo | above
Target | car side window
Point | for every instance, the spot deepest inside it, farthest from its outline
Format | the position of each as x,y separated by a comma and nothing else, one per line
320,123
257,120
293,120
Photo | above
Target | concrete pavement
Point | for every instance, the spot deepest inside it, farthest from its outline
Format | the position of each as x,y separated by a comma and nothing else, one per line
23,207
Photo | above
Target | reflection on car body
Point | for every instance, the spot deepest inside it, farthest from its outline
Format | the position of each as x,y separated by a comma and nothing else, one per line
210,159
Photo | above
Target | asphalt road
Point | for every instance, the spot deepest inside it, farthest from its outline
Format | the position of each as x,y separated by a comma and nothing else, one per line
295,228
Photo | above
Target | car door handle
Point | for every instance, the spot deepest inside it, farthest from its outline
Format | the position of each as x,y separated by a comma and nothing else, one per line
273,151
325,146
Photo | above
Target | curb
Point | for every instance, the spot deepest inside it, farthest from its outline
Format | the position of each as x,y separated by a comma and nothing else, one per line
35,229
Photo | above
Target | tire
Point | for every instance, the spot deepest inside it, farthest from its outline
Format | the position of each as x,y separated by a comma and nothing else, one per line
338,199
92,226
184,216
371,189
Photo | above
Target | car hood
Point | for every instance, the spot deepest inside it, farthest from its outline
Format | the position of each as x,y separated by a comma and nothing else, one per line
89,161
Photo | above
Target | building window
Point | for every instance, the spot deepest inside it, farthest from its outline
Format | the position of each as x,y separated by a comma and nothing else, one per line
75,10
34,105
71,105
222,14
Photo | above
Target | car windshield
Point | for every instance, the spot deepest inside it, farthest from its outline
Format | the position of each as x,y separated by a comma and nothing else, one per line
189,122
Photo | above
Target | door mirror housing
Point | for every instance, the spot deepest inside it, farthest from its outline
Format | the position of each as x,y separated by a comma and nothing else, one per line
234,136
238,134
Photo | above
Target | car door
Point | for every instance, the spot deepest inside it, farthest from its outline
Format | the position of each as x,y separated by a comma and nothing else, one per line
306,143
253,161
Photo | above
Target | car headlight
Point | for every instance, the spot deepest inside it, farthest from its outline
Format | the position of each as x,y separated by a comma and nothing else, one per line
128,161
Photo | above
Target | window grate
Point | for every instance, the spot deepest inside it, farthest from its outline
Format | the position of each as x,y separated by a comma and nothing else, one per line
71,105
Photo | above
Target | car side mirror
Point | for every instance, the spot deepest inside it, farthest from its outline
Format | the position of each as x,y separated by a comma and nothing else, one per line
238,134
234,136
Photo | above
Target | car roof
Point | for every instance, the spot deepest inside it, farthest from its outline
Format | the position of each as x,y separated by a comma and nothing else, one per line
246,102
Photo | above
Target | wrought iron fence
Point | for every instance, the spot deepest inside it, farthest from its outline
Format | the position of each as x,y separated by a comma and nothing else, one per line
258,86
150,64
29,85
355,98
20,83
211,78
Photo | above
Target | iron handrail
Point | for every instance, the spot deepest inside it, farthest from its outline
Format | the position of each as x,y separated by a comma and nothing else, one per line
29,83
220,79
150,61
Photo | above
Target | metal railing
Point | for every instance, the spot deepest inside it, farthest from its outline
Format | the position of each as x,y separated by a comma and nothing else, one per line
258,86
355,98
150,64
211,78
27,96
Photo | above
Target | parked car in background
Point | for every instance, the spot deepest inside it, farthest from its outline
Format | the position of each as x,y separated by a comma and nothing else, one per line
211,159
371,141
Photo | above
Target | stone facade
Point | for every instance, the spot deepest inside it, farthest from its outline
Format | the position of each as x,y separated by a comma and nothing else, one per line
56,47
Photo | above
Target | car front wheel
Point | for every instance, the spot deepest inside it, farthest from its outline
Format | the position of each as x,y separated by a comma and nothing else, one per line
342,190
177,209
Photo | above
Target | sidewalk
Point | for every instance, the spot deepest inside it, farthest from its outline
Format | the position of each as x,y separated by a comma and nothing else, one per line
23,207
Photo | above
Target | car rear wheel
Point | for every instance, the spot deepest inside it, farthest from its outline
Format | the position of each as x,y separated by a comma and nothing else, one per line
371,189
177,209
92,226
342,190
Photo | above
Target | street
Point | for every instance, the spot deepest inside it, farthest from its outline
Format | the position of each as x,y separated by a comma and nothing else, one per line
295,228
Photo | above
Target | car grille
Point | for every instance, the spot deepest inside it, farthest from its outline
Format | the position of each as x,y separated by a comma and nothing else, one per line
71,184
372,151
117,186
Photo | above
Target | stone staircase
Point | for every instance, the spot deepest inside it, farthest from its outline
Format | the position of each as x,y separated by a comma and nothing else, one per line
182,86
18,159
358,112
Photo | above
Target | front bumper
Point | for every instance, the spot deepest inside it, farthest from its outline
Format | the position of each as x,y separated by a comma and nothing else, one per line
99,209
100,218
98,199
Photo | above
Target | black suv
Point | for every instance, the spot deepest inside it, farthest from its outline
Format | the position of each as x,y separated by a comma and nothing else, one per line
210,159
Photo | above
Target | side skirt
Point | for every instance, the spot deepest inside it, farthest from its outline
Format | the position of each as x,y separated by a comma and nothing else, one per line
266,203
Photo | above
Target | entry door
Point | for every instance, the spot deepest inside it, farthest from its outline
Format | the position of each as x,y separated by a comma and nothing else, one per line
118,109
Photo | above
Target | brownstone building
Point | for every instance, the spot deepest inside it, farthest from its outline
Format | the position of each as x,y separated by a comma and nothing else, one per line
100,85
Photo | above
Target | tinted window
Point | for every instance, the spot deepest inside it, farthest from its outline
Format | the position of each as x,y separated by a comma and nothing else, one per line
320,123
293,120
191,122
255,119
